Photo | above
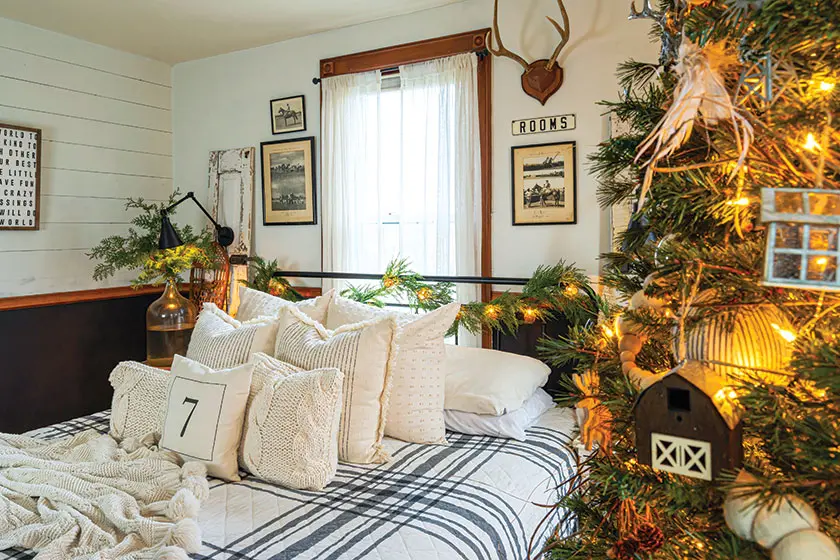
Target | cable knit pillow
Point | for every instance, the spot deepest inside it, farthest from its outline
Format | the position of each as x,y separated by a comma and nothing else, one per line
205,410
419,376
362,353
139,396
219,341
253,304
291,429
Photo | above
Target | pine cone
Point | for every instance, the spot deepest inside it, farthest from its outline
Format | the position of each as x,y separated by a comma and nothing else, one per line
625,549
649,537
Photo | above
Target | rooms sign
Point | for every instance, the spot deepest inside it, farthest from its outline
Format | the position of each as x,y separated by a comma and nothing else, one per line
558,123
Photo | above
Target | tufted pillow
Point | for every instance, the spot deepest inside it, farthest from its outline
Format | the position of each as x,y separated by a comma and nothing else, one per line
139,396
253,304
219,341
362,352
417,394
205,410
291,429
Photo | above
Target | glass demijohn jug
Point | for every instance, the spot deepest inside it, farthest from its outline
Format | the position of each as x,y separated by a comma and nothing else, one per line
170,321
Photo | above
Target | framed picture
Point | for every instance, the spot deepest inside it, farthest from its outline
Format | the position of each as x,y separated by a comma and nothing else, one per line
288,115
288,176
20,177
544,184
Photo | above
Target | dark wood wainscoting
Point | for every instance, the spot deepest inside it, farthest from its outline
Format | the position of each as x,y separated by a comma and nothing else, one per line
57,351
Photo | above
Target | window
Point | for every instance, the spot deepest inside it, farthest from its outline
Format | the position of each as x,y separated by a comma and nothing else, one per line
405,158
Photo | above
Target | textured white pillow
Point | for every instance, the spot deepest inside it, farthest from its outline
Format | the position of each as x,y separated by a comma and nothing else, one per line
139,396
253,304
219,341
415,412
362,353
291,429
205,410
490,382
511,425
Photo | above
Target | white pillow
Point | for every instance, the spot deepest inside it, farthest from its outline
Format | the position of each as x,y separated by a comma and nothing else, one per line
205,410
490,382
511,425
362,353
291,429
253,304
415,412
219,341
139,396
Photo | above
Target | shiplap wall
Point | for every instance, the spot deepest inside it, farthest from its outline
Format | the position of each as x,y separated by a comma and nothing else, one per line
107,135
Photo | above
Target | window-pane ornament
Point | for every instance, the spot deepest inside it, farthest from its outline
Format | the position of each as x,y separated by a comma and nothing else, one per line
802,238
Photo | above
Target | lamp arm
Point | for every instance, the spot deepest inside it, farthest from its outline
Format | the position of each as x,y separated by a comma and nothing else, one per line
194,199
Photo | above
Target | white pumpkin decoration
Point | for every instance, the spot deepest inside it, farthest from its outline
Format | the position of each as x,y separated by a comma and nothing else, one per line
778,519
739,510
806,545
753,338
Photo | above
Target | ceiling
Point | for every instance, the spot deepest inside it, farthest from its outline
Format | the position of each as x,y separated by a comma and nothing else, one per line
179,30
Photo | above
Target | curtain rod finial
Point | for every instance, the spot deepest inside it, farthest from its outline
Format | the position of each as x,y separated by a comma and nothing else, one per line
316,81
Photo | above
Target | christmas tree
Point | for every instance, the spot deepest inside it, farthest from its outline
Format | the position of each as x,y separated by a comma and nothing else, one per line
727,311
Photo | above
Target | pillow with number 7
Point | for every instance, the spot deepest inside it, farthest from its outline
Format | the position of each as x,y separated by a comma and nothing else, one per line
204,413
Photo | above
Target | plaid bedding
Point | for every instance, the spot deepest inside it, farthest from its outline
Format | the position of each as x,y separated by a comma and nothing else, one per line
480,498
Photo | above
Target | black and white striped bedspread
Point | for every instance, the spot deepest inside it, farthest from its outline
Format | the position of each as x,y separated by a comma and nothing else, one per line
479,498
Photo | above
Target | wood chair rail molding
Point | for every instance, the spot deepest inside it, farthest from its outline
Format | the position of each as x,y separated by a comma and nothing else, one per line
430,49
65,298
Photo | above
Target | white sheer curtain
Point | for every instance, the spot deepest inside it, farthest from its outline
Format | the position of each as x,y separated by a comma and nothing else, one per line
350,166
402,172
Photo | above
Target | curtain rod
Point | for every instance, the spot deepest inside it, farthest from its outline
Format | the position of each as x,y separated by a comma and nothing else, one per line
481,54
360,276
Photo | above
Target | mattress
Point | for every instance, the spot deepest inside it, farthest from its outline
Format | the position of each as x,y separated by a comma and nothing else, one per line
479,498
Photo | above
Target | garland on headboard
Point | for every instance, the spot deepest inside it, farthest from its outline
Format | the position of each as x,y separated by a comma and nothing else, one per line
560,289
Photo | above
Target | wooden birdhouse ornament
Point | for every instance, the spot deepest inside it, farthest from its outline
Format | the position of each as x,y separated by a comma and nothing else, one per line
802,238
688,422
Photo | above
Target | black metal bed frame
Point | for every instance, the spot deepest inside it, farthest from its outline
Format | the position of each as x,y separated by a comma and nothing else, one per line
483,280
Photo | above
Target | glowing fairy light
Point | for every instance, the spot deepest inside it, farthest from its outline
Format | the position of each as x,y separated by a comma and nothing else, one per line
827,86
784,333
608,332
529,315
743,201
811,143
571,290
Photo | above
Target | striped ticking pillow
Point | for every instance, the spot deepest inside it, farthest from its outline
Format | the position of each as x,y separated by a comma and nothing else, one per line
219,341
363,352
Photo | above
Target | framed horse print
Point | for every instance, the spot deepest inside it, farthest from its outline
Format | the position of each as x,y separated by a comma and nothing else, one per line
288,170
288,115
544,183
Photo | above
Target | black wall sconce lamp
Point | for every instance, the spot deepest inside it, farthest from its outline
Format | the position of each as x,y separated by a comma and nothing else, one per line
169,238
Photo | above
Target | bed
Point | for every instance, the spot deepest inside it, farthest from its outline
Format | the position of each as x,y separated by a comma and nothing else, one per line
480,498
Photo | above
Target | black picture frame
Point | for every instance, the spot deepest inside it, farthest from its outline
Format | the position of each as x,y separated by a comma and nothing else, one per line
288,130
294,217
540,150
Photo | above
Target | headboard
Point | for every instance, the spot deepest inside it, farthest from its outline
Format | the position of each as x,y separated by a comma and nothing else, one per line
523,342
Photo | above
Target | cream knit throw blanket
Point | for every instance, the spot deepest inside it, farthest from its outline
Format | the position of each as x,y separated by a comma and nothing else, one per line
88,497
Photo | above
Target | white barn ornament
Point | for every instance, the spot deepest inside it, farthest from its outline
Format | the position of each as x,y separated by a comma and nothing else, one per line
802,238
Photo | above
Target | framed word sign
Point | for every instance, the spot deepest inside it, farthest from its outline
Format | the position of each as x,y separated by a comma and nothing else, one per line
558,123
20,177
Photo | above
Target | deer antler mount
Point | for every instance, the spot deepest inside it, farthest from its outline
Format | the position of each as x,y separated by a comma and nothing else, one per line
542,78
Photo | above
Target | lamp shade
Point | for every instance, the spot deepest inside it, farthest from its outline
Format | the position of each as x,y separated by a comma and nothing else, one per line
169,238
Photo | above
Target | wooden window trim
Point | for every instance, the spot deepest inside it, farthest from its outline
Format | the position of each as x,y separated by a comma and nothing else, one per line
423,51
80,296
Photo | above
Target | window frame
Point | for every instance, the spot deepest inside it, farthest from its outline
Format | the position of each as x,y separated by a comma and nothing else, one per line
389,58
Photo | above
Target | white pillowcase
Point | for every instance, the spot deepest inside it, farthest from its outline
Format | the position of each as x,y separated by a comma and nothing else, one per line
219,341
415,412
205,410
490,382
291,429
139,395
253,304
362,353
511,425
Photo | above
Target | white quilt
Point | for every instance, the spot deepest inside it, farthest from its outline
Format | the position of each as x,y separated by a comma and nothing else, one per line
480,498
86,497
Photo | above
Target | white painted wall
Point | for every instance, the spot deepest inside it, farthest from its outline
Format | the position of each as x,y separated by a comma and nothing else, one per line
222,102
106,121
